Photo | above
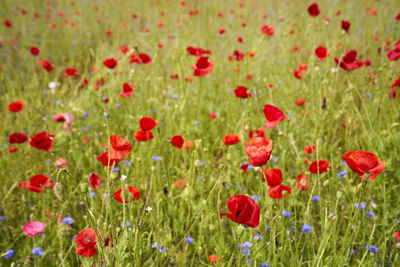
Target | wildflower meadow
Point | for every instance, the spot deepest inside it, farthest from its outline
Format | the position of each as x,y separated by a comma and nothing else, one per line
200,133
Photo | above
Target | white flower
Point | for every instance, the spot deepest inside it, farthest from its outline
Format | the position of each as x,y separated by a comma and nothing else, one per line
53,86
149,208
123,177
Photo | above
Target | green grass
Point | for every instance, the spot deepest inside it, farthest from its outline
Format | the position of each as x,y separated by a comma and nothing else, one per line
372,125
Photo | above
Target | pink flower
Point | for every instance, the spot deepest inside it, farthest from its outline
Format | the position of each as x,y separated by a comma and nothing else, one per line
69,119
61,163
33,228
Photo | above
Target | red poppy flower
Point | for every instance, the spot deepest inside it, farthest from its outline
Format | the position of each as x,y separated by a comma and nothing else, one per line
302,183
12,149
398,18
349,61
300,101
143,136
189,144
213,259
181,183
273,176
110,63
309,149
213,115
346,26
124,48
321,53
244,210
241,92
267,29
94,180
43,141
36,182
147,123
277,192
177,141
244,167
396,83
302,69
34,51
16,106
230,139
86,241
237,55
397,234
319,166
260,132
141,58
394,54
364,162
197,51
202,67
274,115
46,65
131,194
18,138
259,150
58,117
120,147
313,10
103,158
7,23
71,71
127,90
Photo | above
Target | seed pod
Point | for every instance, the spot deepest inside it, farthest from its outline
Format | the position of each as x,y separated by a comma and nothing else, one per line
59,191
83,187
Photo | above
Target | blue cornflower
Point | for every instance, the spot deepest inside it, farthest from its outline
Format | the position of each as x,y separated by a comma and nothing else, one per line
38,251
265,264
2,218
315,198
9,254
256,197
155,244
117,105
128,163
175,96
342,173
286,214
92,194
67,220
258,236
372,249
189,240
156,158
162,249
370,214
115,169
127,223
306,228
245,247
362,205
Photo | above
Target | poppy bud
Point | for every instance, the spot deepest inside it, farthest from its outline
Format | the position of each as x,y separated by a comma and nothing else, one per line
339,194
114,175
59,191
83,187
106,114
